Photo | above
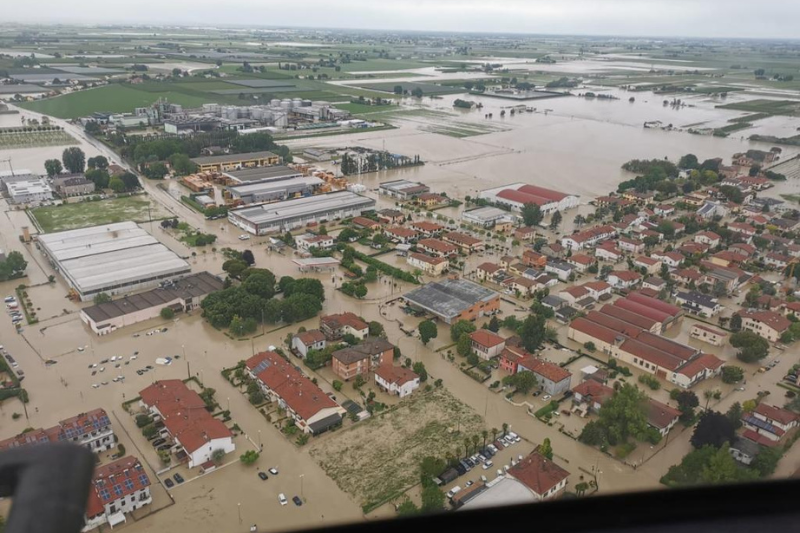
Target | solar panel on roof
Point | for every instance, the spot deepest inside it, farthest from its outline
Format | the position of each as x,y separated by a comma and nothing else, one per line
263,365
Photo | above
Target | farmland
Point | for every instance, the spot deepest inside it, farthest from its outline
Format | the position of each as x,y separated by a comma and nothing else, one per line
35,139
77,215
376,460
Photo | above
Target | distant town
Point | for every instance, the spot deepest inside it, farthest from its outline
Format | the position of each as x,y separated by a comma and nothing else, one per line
374,303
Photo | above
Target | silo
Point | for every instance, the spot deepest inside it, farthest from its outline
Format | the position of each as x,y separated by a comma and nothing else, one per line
306,103
297,102
286,103
275,102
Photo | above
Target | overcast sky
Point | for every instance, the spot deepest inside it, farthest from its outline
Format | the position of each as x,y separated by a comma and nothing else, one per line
696,18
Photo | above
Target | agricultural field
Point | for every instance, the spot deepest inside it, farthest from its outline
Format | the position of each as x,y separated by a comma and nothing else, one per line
35,139
377,460
77,215
789,108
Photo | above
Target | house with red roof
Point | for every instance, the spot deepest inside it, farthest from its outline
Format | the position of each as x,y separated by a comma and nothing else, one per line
671,259
767,324
365,223
427,228
338,325
598,288
117,488
708,238
400,235
704,366
624,279
551,378
312,410
310,242
467,243
192,428
708,334
661,416
437,248
591,394
91,429
770,422
581,262
524,233
433,266
396,380
542,476
650,264
486,344
628,244
312,339
487,271
607,251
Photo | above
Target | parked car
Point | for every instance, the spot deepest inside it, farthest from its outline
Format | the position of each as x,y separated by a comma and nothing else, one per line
297,501
487,465
263,476
168,482
273,471
164,447
178,478
469,483
452,492
282,498
159,442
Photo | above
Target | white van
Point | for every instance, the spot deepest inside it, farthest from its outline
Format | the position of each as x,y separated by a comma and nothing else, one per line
452,492
487,465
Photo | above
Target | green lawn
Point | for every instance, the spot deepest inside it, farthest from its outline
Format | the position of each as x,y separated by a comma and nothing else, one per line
86,214
427,88
111,98
773,107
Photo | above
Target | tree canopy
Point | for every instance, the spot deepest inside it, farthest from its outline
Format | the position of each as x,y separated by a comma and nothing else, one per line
623,416
428,331
714,429
752,347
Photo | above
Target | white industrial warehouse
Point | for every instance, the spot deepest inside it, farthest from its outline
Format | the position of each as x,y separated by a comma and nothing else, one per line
298,212
112,258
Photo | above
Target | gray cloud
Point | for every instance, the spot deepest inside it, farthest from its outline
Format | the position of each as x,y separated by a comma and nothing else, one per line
698,18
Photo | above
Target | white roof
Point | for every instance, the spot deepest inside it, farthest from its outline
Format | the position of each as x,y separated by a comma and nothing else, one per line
113,255
316,261
591,369
501,491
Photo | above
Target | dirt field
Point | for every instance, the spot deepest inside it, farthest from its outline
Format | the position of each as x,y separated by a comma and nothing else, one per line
377,459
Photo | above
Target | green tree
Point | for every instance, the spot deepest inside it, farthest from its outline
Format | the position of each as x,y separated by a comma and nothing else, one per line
494,324
419,369
464,346
116,184
721,468
130,181
13,267
376,329
734,414
101,298
427,331
624,415
732,374
407,507
546,449
555,220
218,455
52,167
99,177
99,162
767,460
714,429
182,164
167,313
688,162
687,401
522,381
259,281
360,291
461,327
752,347
249,457
432,499
531,215
532,332
74,159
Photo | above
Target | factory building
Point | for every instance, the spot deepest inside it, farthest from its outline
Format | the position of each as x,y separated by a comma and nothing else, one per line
298,212
221,163
517,195
114,259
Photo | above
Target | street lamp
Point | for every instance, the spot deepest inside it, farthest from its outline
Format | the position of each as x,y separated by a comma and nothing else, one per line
229,403
261,446
302,497
239,507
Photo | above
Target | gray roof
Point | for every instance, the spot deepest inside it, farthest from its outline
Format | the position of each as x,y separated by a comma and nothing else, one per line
261,174
450,297
745,446
274,213
369,347
698,298
553,301
192,286
288,185
113,255
228,158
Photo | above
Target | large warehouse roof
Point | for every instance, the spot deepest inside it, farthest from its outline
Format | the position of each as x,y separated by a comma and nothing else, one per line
276,186
113,255
232,158
298,207
261,174
449,297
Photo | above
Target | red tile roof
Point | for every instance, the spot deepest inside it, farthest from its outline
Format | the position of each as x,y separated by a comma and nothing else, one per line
642,309
550,194
538,473
628,316
427,226
395,374
115,481
661,305
339,320
438,246
404,233
299,393
66,430
523,198
311,336
491,268
184,413
484,337
783,416
705,361
651,354
427,258
660,415
681,351
616,324
548,370
772,319
597,286
594,330
626,275
598,392
462,238
365,222
759,439
581,259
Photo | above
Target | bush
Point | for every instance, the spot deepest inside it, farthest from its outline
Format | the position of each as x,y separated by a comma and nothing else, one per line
143,420
651,381
337,385
167,313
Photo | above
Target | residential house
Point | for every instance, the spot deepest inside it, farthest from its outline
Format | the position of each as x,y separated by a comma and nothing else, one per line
707,334
744,229
744,450
551,378
560,269
337,326
312,410
525,234
686,276
542,476
400,235
704,366
671,259
391,216
486,344
777,261
770,422
608,252
661,416
664,210
309,242
727,258
553,302
426,228
573,294
433,266
396,380
487,271
628,244
598,289
349,362
467,243
698,303
431,200
592,395
581,262
553,249
91,429
534,259
650,264
77,186
365,223
588,238
624,279
437,248
522,286
767,324
312,339
654,283
117,488
708,238
183,412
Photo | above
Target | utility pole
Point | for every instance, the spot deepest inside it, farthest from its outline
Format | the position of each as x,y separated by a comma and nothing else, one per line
188,372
